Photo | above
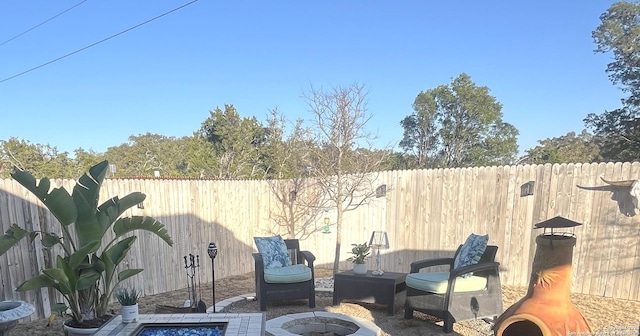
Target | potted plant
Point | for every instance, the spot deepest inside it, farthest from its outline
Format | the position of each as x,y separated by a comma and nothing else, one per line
86,272
128,298
359,259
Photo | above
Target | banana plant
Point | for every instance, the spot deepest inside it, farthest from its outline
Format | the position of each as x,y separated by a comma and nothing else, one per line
86,272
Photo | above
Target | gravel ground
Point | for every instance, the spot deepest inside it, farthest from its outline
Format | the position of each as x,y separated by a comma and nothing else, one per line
604,314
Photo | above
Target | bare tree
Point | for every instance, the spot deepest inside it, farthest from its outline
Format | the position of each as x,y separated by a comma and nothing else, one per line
344,162
300,204
300,198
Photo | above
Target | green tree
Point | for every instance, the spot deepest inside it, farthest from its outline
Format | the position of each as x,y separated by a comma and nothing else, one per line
400,161
285,151
238,143
342,161
147,153
618,131
84,160
569,148
458,125
420,141
42,160
200,158
619,33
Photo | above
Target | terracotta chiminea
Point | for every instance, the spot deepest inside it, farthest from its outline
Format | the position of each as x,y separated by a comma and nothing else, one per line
547,308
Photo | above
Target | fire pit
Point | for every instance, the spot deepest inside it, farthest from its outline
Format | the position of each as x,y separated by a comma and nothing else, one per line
547,308
320,324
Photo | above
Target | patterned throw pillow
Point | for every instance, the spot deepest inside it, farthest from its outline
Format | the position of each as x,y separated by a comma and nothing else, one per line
274,251
471,252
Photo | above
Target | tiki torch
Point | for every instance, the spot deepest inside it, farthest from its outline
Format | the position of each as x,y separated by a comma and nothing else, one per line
213,252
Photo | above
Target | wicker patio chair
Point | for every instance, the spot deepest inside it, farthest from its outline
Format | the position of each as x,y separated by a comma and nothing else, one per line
289,282
449,296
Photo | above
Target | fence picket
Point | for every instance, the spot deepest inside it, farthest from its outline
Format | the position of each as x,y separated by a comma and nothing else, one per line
427,213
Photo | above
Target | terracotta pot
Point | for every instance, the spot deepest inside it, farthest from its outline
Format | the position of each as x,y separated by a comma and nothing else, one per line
360,268
547,308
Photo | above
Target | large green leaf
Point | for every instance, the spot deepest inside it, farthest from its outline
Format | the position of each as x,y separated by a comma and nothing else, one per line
129,224
59,308
77,257
87,190
87,279
129,201
109,270
58,201
69,272
98,264
118,251
61,205
56,274
108,213
50,239
29,181
128,273
113,256
11,237
37,282
85,195
113,208
88,231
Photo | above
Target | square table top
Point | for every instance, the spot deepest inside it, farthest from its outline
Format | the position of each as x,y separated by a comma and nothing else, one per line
386,277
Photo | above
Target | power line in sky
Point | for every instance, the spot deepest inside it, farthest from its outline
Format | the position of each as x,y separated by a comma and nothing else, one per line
96,43
43,22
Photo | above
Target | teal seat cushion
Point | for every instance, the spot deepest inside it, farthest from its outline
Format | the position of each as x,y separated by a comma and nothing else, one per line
471,252
288,274
437,282
273,251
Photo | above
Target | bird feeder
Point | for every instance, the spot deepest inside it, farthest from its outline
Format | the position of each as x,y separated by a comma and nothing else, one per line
327,222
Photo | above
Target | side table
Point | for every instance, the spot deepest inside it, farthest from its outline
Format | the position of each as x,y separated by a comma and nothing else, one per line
380,289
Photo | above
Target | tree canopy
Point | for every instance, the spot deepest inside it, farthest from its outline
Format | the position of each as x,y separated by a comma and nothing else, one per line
458,125
574,148
618,131
43,160
237,142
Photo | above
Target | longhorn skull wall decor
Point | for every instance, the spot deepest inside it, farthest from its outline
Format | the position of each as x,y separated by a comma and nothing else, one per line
634,190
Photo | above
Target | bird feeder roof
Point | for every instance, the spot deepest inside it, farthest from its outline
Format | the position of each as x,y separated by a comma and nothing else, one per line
556,222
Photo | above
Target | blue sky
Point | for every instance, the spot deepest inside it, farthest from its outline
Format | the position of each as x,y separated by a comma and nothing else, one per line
164,77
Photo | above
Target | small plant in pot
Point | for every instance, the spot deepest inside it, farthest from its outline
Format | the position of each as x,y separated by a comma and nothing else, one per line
359,259
128,298
87,270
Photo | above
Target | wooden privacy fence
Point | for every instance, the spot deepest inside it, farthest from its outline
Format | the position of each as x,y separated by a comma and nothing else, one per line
427,213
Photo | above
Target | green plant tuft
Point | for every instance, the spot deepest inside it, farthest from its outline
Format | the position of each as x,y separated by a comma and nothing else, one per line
128,297
360,253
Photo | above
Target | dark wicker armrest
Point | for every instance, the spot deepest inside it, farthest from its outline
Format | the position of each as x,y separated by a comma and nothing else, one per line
416,266
257,257
485,266
309,257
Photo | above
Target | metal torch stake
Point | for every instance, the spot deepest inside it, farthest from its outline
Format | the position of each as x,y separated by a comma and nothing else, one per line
213,284
212,250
